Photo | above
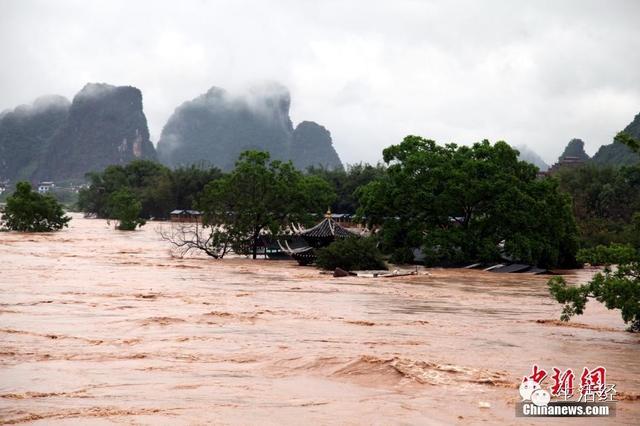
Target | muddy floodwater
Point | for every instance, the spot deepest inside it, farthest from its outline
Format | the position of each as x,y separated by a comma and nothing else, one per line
99,326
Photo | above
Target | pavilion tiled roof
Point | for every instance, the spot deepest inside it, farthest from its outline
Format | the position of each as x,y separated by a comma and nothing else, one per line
326,229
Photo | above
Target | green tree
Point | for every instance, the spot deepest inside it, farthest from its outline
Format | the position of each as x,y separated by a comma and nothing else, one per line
189,182
464,204
125,208
159,189
345,182
261,196
617,288
29,211
351,254
604,201
608,255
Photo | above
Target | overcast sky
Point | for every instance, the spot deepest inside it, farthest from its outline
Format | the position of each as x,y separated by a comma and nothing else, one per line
529,72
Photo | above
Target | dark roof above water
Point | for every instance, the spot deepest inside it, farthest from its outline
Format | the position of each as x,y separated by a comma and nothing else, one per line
186,212
520,268
515,267
508,268
326,229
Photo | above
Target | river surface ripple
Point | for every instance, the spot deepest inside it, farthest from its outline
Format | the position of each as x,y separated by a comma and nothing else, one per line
99,326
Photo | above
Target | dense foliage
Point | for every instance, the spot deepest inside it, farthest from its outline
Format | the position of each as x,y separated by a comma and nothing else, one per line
607,255
125,208
159,189
29,211
605,202
261,195
346,182
617,288
465,204
351,254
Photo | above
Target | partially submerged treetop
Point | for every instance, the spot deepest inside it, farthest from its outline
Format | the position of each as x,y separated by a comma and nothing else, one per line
29,211
468,204
616,287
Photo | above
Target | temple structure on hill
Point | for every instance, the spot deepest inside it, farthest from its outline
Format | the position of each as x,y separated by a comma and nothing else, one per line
564,162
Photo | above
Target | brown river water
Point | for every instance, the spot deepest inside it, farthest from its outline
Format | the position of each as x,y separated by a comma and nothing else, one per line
99,326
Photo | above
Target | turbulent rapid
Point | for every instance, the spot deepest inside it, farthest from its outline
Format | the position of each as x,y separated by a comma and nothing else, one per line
100,326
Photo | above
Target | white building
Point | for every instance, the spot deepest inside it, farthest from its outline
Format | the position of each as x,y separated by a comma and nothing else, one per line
44,187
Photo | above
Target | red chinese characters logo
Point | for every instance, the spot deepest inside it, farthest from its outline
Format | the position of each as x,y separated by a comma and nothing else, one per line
593,383
594,387
562,383
538,375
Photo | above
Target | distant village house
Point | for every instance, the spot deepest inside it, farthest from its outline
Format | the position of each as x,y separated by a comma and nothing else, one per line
44,187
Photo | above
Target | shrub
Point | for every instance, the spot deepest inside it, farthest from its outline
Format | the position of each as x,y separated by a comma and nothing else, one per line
351,254
29,211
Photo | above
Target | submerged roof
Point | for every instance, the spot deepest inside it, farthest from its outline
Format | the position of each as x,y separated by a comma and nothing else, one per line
191,212
327,228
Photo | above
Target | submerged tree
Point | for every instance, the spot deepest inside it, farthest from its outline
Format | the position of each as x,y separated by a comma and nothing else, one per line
261,196
29,211
463,204
185,238
616,287
125,208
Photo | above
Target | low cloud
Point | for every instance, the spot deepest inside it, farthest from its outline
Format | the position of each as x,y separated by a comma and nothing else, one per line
531,73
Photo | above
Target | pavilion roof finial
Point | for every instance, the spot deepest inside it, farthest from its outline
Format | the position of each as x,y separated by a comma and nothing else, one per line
328,213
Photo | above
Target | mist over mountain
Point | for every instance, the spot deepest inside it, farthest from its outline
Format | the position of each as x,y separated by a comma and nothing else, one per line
217,126
530,156
25,133
105,125
618,154
54,139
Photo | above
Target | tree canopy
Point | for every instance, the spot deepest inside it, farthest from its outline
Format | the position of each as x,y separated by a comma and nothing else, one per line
463,204
29,211
604,202
346,182
159,189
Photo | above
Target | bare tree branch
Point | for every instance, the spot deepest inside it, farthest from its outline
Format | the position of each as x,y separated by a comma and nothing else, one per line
185,238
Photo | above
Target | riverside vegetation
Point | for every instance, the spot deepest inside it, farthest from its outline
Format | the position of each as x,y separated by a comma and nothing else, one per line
458,204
